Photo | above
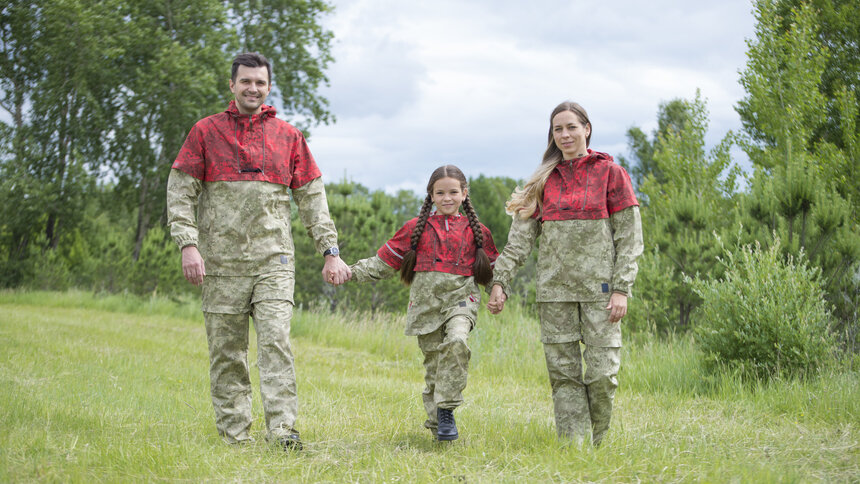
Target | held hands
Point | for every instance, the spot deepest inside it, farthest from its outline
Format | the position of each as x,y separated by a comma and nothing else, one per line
192,265
618,306
335,271
497,299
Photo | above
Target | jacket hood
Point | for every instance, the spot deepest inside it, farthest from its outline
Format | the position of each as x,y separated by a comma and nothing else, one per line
266,110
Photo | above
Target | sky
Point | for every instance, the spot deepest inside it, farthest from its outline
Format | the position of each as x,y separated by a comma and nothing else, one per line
419,84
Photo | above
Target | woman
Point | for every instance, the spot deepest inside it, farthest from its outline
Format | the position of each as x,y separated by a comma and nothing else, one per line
583,207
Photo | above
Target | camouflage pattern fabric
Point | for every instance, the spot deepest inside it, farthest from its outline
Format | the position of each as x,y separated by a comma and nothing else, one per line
446,366
227,302
582,403
578,260
243,228
434,297
521,239
586,321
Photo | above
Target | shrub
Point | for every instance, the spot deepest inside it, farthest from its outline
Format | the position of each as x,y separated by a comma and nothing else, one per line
767,316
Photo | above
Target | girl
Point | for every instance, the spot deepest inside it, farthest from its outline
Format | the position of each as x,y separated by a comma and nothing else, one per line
583,207
443,256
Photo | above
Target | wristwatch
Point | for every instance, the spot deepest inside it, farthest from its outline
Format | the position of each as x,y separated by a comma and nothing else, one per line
331,251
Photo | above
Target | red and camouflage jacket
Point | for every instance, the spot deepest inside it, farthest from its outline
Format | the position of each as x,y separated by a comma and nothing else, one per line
229,193
589,188
447,245
231,146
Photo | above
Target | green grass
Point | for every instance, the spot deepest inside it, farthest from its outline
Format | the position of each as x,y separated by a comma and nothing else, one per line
113,388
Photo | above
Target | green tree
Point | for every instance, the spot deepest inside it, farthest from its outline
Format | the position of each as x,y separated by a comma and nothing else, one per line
694,200
290,34
801,189
365,220
671,118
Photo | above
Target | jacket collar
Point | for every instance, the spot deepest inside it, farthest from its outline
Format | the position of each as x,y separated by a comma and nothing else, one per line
267,111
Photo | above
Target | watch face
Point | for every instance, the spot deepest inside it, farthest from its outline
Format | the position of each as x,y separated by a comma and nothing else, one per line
335,251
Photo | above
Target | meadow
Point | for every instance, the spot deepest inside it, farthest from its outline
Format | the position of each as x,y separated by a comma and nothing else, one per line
116,389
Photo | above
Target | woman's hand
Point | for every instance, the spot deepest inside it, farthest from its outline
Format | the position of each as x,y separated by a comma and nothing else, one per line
618,306
497,299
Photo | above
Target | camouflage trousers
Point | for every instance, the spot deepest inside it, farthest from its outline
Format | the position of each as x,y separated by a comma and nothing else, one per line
227,303
446,366
582,400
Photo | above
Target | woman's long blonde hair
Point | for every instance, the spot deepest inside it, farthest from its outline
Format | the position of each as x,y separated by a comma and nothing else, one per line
527,200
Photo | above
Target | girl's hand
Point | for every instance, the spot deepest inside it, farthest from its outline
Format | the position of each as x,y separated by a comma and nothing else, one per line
618,306
497,299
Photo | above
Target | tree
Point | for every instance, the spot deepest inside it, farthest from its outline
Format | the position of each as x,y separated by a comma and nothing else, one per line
802,191
289,33
671,118
692,201
365,221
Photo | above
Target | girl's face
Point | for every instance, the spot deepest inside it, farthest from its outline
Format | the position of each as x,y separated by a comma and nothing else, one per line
448,195
569,134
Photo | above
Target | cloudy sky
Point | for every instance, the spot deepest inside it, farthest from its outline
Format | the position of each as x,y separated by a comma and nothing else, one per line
418,84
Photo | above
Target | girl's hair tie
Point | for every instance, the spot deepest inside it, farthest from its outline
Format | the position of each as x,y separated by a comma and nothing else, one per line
414,247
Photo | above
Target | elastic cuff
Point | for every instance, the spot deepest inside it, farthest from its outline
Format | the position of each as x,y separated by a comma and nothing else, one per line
505,287
183,242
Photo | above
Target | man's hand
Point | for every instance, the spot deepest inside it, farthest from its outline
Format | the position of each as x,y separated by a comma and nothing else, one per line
497,299
618,306
192,265
335,271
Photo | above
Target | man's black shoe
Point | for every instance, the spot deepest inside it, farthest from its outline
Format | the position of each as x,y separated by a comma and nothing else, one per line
290,442
447,427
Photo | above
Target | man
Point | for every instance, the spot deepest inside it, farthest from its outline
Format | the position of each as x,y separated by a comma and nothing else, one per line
228,209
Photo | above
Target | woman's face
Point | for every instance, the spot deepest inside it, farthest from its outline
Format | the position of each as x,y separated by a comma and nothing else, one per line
569,134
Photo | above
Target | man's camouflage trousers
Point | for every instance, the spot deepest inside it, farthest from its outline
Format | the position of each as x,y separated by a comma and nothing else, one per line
227,303
582,401
446,366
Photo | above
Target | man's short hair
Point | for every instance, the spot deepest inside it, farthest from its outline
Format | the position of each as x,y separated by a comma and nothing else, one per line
250,59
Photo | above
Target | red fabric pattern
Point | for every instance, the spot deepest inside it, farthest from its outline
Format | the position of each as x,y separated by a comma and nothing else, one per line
231,146
447,245
590,188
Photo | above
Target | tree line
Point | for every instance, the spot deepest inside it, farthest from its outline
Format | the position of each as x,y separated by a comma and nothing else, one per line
99,98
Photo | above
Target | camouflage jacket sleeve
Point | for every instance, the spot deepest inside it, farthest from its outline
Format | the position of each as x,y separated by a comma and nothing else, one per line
371,269
521,240
313,210
183,191
627,238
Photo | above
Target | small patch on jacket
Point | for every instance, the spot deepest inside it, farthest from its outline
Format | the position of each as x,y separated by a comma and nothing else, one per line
284,259
473,298
604,287
462,304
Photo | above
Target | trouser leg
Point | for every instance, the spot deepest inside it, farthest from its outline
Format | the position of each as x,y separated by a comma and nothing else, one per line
429,344
453,366
275,361
446,366
569,398
601,380
230,384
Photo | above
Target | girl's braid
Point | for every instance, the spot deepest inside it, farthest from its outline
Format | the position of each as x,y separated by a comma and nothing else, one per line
422,221
473,222
482,269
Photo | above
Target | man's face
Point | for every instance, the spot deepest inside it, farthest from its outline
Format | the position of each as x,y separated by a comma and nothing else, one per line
250,88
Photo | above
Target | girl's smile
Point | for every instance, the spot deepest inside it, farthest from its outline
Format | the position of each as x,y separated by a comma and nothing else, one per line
448,195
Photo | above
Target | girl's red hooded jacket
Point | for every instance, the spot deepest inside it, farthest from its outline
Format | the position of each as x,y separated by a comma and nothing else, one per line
446,245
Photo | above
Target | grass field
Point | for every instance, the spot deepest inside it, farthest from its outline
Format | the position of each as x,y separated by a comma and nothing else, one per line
116,389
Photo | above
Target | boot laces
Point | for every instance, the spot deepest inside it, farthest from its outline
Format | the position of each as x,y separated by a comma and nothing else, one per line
446,416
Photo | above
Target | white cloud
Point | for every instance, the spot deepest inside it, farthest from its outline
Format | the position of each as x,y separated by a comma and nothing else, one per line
419,84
